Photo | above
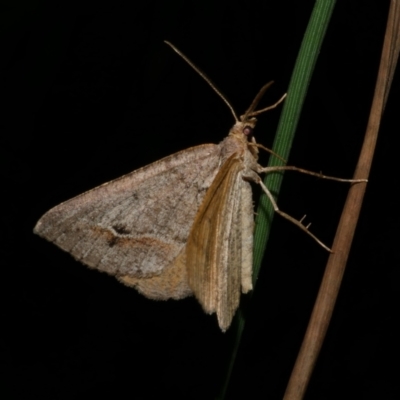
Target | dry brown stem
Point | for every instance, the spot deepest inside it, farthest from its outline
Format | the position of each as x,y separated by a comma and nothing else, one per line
335,267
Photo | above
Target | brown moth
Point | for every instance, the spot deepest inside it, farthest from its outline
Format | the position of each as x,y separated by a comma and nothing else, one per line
180,226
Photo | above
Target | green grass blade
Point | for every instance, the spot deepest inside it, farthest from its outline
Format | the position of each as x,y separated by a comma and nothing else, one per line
293,104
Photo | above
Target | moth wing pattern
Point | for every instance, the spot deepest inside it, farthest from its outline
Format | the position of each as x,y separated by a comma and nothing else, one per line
220,244
173,281
134,226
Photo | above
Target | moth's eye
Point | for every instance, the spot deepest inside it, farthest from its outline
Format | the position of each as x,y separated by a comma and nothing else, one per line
248,130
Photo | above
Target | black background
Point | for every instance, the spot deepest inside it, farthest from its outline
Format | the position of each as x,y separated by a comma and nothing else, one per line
91,92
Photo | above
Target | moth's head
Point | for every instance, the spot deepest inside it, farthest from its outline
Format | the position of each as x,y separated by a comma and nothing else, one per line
243,129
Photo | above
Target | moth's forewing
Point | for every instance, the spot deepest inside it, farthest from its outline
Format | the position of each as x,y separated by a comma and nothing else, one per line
135,225
214,251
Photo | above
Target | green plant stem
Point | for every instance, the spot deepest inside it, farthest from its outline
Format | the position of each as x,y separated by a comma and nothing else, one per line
298,86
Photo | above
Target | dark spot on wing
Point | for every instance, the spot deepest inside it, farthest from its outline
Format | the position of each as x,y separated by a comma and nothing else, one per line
112,241
131,243
121,229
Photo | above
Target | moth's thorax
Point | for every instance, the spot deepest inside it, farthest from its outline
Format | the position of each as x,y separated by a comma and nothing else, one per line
240,140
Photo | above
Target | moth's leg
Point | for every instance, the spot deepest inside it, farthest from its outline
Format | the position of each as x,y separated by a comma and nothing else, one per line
260,146
253,176
267,170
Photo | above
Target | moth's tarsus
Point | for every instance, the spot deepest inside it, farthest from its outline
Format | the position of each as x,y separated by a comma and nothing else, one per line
299,223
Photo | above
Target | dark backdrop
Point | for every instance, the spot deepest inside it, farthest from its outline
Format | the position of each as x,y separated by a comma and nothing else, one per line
90,93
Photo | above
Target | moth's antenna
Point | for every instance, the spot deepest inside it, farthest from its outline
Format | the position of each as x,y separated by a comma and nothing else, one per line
250,111
205,77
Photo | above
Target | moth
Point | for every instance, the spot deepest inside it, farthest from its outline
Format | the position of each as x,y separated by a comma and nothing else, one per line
178,227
